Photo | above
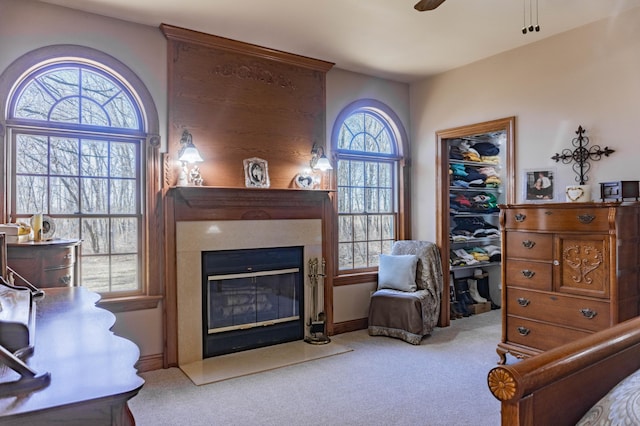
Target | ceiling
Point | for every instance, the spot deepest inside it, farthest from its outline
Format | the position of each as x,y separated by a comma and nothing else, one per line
383,38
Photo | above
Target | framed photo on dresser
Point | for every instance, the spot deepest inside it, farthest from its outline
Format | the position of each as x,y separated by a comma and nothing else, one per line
538,185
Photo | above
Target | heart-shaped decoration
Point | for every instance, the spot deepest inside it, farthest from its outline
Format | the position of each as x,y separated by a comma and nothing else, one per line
304,181
574,193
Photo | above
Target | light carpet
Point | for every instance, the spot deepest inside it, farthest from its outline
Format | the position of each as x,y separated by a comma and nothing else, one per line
224,367
381,382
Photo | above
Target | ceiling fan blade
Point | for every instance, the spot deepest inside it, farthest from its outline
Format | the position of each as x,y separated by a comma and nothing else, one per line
423,5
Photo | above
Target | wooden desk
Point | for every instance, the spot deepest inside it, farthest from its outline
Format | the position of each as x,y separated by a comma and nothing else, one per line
92,370
53,263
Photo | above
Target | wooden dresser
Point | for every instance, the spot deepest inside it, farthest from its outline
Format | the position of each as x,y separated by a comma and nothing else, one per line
46,264
569,269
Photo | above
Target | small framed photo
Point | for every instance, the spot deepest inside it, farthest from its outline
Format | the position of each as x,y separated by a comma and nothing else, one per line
256,173
539,185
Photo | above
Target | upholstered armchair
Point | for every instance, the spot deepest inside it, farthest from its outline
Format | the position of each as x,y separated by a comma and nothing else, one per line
406,304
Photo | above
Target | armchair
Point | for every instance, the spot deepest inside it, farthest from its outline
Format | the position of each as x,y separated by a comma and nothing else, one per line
401,311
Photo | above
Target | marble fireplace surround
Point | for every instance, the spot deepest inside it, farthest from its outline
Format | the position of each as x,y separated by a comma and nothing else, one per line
209,219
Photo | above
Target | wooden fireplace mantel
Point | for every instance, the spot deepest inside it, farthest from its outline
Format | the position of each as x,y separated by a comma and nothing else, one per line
218,203
200,203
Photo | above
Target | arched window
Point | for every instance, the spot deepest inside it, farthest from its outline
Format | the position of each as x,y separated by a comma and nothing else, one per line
368,143
77,132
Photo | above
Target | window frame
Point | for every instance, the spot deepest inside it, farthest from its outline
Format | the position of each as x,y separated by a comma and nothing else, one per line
400,157
151,266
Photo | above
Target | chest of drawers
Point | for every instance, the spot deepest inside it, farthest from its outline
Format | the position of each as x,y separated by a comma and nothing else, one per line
53,263
568,270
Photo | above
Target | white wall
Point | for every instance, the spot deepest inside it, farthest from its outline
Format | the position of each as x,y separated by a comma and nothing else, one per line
588,76
344,87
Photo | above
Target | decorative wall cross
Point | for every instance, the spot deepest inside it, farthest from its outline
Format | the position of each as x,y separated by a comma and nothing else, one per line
581,155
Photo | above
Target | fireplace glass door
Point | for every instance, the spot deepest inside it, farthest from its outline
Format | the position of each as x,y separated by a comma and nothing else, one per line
251,298
242,301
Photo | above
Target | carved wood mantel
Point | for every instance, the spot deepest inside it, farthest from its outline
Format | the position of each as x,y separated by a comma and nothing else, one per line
218,203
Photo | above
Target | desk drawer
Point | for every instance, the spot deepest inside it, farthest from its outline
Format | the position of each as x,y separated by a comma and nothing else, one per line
576,312
582,219
532,275
539,335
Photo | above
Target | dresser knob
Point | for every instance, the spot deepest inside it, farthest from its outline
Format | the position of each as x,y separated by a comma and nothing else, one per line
588,313
556,263
520,217
527,273
68,256
523,302
528,244
66,280
523,331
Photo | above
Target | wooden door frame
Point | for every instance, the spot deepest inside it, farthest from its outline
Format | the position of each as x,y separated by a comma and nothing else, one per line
508,125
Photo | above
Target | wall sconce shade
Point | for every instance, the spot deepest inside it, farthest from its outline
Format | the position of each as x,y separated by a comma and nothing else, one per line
188,153
319,161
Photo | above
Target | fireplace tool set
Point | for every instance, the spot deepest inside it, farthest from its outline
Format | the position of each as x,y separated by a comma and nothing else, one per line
317,321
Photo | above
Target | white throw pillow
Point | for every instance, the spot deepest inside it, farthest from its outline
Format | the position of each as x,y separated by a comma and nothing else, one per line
397,272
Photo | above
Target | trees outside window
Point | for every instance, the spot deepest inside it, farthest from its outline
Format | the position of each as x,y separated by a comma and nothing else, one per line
76,136
369,156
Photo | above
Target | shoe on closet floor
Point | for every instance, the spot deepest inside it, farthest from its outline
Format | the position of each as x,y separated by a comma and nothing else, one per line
473,291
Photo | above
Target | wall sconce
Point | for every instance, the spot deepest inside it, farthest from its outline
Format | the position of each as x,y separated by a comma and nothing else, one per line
189,154
319,161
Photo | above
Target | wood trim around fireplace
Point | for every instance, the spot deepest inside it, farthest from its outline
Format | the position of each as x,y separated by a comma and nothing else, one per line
214,203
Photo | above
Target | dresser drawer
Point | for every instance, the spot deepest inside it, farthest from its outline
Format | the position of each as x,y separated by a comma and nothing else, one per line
576,312
62,277
582,219
528,274
63,256
539,335
529,245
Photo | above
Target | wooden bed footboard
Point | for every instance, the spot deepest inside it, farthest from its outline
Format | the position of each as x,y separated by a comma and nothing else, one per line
559,386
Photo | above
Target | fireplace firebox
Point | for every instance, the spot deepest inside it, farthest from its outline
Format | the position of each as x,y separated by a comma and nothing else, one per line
251,298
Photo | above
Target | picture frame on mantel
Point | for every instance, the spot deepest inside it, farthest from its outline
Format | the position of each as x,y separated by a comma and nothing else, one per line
304,181
256,173
538,185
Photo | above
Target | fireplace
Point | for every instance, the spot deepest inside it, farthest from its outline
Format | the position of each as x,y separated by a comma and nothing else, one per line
196,237
251,298
204,219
